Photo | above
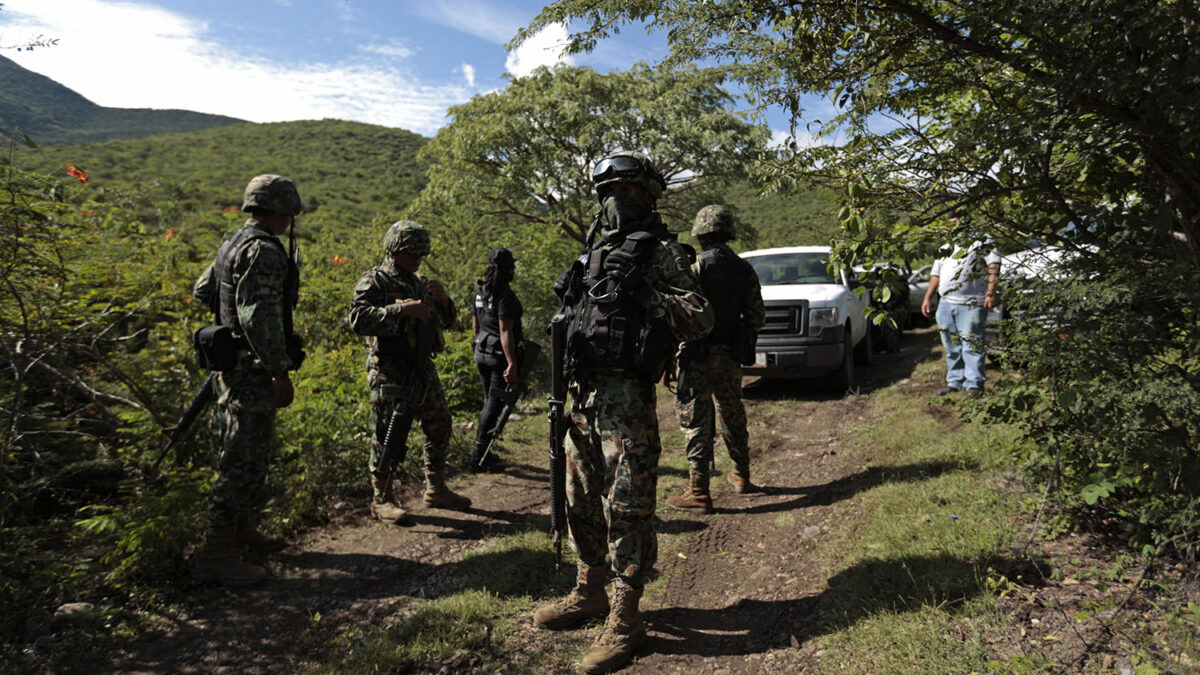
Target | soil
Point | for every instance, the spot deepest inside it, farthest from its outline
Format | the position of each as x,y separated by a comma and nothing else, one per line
734,592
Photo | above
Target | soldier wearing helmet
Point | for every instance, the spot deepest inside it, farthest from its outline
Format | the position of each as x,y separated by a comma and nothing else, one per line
401,315
251,287
711,368
628,301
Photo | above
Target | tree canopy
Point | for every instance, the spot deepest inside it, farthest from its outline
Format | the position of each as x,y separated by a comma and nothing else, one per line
524,154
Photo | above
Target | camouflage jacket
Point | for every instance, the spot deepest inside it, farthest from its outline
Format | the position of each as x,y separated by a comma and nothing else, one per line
676,294
259,271
375,314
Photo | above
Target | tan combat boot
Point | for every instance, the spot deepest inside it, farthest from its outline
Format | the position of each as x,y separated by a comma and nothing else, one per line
384,506
739,478
439,496
247,535
585,601
624,631
219,561
695,497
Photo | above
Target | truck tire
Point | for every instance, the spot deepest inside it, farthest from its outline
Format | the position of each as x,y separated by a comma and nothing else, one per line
862,353
840,380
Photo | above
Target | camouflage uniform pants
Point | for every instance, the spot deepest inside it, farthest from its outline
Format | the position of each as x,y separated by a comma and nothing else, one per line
612,473
432,413
246,413
709,375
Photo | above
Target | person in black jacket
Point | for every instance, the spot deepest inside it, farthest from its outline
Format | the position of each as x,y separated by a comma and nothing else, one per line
497,324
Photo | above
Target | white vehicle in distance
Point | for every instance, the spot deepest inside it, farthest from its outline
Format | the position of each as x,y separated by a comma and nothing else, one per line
815,323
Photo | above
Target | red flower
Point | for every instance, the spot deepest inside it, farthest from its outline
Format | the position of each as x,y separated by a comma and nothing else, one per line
170,233
339,260
78,174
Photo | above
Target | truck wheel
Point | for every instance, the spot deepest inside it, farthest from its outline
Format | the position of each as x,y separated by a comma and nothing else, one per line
840,381
862,353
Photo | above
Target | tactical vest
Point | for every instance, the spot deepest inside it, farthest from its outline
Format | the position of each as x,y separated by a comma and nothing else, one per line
724,277
607,329
224,304
487,341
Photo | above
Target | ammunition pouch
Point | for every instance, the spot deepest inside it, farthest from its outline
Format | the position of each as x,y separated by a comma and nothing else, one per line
217,348
489,353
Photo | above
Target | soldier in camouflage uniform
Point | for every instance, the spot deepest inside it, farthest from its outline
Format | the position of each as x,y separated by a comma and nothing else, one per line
392,305
252,287
635,277
707,367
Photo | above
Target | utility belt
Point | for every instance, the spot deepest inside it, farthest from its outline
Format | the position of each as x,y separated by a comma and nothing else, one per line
222,349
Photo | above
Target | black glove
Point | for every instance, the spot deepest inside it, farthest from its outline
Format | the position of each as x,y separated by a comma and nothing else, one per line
622,267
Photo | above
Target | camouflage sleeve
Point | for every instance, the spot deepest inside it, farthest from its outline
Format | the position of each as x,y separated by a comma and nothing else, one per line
372,312
676,294
259,271
447,314
754,313
205,289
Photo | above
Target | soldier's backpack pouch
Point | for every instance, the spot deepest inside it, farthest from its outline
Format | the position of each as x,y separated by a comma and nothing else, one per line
489,353
216,348
745,342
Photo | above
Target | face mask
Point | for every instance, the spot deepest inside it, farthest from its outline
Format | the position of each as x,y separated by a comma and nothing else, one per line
622,210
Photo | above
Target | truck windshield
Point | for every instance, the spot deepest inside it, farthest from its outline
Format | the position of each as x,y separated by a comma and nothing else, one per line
791,268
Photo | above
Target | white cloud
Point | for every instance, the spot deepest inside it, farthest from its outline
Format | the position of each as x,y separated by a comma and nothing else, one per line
394,50
468,72
489,21
542,49
125,54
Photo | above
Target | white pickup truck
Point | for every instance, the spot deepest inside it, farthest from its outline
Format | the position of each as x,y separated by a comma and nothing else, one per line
815,323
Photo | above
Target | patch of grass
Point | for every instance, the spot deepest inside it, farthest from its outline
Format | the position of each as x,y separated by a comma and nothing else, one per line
908,589
484,628
927,639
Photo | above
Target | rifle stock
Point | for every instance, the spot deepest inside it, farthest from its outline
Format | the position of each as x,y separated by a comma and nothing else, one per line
558,432
200,401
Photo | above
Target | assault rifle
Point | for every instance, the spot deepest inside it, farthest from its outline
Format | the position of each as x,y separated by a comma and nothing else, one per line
558,432
509,396
407,398
200,401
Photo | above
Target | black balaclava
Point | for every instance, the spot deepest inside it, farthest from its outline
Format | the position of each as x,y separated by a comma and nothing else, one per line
623,211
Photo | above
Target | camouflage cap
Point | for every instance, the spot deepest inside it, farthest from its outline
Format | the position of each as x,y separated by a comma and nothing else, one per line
270,192
714,218
628,167
406,235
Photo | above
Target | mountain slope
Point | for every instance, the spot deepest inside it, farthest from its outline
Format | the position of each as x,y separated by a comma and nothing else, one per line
348,172
52,114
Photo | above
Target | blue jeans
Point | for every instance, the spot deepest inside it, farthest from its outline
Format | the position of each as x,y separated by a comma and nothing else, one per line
962,330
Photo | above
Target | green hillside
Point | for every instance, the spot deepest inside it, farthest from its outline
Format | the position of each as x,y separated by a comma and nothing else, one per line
805,219
51,114
348,172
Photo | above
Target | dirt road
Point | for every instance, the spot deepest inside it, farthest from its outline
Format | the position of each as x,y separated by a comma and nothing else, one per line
737,591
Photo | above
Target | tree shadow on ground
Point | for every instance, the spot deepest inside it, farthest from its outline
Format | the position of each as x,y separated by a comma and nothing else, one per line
869,587
843,488
498,523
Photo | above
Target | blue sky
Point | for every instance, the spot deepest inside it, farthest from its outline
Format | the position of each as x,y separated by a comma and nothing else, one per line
399,63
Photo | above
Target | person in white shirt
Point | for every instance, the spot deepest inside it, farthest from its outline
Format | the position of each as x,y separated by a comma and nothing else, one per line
967,281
